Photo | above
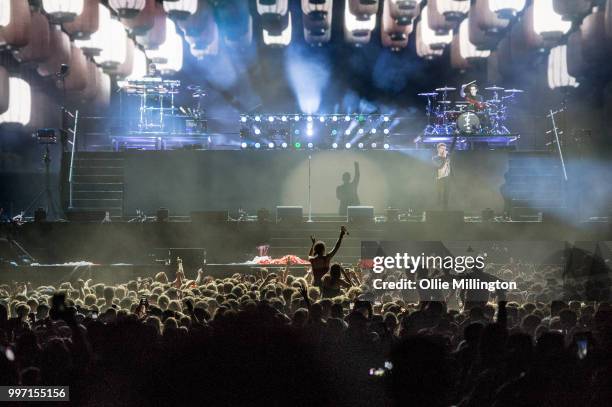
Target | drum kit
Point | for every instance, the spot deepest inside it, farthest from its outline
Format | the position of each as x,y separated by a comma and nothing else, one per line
157,110
468,117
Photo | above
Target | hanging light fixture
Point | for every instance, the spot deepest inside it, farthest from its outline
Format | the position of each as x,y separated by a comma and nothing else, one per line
62,11
453,10
279,7
546,22
358,25
114,46
466,48
558,75
430,37
20,102
180,9
5,13
506,8
278,40
169,55
96,42
127,8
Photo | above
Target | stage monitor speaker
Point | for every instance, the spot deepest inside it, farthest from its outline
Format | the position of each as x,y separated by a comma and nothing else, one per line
293,214
440,218
360,214
210,216
76,215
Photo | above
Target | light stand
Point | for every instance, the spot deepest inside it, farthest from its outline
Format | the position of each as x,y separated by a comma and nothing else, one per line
309,195
46,137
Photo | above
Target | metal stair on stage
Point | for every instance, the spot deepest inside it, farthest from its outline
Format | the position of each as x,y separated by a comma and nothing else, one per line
98,182
535,183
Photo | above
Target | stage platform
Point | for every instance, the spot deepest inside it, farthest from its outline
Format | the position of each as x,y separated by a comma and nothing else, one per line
238,242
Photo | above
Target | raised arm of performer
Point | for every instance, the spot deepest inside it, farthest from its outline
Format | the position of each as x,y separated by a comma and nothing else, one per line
338,243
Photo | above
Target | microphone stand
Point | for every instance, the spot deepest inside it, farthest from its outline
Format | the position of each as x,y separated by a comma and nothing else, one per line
309,193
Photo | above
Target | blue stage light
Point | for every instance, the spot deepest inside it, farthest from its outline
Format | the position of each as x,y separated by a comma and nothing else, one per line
284,118
257,118
373,131
270,119
243,145
360,145
257,131
284,145
386,146
270,145
310,145
386,131
347,145
335,145
296,118
257,145
243,119
374,145
347,118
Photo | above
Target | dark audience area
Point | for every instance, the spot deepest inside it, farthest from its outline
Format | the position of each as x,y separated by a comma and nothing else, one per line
275,339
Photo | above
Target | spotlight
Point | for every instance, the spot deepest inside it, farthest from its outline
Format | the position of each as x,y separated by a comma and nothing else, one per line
373,131
284,145
310,145
257,131
321,119
360,145
296,132
257,118
386,146
309,118
243,119
385,118
335,145
335,118
347,132
360,131
270,145
334,132
347,118
298,145
374,145
386,131
309,130
347,145
296,118
257,145
284,118
243,145
270,119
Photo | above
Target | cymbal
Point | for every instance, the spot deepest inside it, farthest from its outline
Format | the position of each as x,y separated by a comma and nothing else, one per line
445,102
494,101
495,88
445,89
194,87
428,94
514,91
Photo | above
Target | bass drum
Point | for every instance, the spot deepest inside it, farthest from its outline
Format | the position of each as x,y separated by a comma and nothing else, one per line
468,123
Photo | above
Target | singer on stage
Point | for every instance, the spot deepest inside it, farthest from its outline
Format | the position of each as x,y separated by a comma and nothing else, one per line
443,173
347,192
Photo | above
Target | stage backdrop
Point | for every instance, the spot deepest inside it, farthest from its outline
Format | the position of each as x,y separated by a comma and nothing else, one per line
185,181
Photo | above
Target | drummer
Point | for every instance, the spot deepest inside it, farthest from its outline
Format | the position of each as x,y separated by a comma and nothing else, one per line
472,97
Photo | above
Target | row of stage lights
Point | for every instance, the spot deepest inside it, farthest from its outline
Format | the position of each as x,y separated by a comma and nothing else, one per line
310,118
315,131
311,146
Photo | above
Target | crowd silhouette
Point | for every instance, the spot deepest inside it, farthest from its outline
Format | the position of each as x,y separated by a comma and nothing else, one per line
279,339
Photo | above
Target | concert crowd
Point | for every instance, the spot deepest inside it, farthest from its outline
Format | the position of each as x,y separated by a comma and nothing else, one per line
279,339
